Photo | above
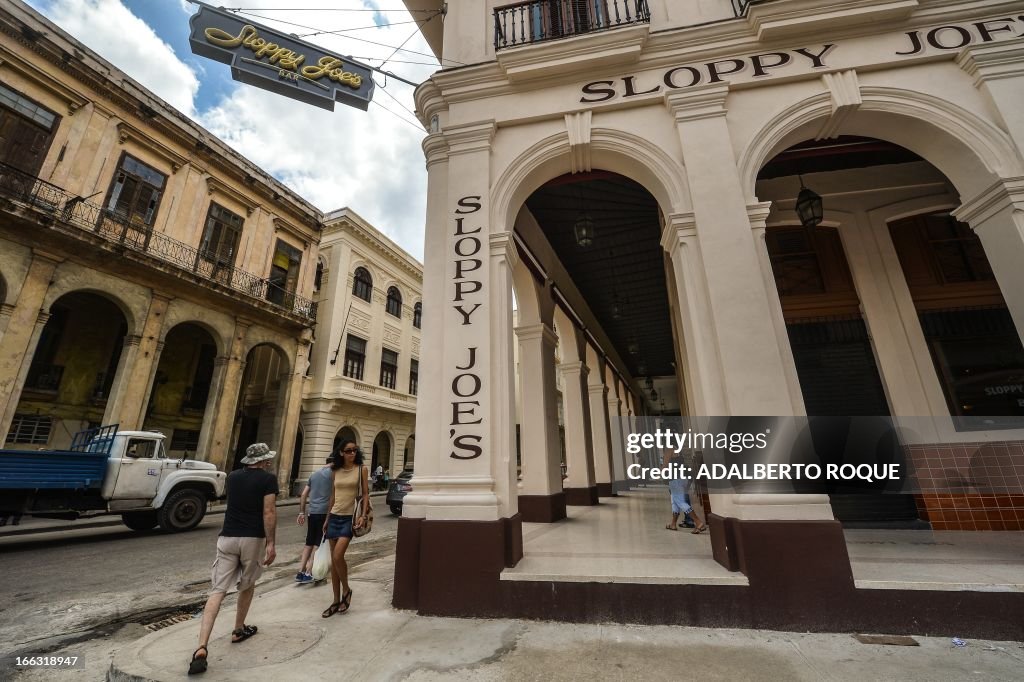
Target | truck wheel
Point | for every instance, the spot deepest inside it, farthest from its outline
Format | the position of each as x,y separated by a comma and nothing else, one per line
182,510
396,509
140,520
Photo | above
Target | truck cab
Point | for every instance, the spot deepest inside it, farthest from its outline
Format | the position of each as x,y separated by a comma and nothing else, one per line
149,488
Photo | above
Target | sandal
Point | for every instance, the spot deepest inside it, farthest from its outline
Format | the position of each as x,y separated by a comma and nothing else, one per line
346,599
332,609
698,531
671,528
243,633
198,665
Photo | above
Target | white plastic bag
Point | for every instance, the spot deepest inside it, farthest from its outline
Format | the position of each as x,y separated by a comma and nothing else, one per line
322,561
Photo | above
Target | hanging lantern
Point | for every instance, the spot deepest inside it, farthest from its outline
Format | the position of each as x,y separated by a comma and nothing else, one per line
654,395
584,229
809,207
649,383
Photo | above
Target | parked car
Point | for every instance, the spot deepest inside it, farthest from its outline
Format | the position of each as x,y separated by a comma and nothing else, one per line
397,491
107,471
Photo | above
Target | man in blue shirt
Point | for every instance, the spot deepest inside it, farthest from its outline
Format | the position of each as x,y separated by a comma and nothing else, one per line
318,493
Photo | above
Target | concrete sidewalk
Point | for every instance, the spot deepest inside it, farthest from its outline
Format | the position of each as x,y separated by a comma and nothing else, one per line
30,524
375,642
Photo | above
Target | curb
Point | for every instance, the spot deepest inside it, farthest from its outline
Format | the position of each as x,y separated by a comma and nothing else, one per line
115,520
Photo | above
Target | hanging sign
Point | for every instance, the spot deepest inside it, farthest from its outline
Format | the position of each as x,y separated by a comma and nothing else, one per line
268,59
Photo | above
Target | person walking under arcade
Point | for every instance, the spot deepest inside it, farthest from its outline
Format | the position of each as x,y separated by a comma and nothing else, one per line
349,478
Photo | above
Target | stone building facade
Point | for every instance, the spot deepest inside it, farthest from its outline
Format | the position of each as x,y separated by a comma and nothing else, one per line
150,276
364,375
648,178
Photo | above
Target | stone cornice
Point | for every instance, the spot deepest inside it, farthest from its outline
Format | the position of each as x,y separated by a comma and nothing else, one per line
213,185
435,149
992,61
348,221
991,201
798,18
699,102
537,332
470,137
580,54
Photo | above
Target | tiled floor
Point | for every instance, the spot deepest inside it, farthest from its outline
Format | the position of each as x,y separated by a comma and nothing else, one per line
624,540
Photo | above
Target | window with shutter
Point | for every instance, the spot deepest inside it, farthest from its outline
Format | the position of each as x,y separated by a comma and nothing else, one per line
135,192
388,368
355,357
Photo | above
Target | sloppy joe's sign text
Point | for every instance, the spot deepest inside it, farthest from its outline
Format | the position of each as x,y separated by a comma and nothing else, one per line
467,299
264,58
940,38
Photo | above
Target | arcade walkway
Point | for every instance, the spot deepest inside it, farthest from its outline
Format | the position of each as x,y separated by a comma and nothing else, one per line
624,540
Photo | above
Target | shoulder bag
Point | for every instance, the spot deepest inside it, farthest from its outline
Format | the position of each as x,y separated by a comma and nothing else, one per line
368,523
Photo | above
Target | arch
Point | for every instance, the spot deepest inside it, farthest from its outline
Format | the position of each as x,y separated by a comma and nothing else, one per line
260,336
362,283
346,432
132,300
220,326
417,314
394,301
613,150
383,451
969,150
409,453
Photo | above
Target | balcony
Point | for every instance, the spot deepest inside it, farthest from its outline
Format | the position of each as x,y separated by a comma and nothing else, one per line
540,21
44,377
740,6
54,205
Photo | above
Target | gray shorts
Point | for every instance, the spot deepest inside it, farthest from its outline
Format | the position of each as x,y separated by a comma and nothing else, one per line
238,561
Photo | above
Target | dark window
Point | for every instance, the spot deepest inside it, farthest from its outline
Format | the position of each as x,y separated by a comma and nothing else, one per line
795,262
388,368
197,394
417,315
318,278
185,440
26,131
135,192
362,284
284,274
414,377
956,250
30,429
355,357
394,304
221,236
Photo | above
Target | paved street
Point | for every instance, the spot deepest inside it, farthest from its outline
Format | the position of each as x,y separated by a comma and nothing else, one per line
61,588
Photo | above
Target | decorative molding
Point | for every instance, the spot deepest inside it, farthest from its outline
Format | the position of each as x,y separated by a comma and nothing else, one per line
758,214
792,18
844,88
590,52
72,98
697,103
679,226
992,61
127,132
360,320
392,335
214,185
435,149
1005,194
471,137
578,125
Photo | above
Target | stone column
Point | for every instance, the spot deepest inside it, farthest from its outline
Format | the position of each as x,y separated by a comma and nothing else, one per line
581,486
541,498
615,432
6,311
736,320
997,217
600,434
289,405
215,445
130,396
23,329
121,384
460,526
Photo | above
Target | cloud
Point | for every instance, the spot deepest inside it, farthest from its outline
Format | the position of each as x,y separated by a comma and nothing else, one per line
108,28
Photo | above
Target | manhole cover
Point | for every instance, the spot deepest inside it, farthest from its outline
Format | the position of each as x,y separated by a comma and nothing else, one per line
167,622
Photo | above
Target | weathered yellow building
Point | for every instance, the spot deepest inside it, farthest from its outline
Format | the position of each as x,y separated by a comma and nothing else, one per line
149,275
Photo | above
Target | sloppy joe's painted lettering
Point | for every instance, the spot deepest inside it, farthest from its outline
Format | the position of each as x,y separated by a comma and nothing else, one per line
467,299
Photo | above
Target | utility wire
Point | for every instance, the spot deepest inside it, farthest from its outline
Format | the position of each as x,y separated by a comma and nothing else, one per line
325,9
364,40
417,126
361,28
385,91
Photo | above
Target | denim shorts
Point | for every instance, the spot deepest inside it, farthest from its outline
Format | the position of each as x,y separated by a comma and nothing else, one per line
339,527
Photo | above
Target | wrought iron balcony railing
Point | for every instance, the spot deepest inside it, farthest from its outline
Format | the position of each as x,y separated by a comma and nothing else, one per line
66,208
44,377
542,20
739,7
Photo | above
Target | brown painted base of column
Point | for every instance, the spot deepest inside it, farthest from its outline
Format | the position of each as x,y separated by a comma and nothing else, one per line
581,497
542,508
605,490
441,567
799,575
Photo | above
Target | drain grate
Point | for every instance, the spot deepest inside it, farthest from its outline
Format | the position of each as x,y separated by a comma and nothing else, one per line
167,622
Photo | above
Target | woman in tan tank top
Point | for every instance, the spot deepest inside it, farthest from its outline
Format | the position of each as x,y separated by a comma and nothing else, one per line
350,477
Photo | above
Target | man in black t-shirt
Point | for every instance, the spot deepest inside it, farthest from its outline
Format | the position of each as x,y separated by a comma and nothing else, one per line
250,527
